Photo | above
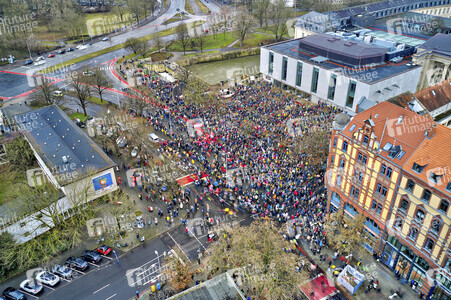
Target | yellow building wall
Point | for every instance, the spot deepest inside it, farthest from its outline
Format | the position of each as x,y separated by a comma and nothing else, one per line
435,201
420,241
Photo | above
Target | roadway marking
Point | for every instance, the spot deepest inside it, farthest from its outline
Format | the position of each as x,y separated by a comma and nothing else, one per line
101,288
94,265
60,277
31,295
178,246
77,271
49,287
110,297
106,257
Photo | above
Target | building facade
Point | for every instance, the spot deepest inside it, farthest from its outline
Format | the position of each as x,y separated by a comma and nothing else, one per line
391,165
337,70
435,57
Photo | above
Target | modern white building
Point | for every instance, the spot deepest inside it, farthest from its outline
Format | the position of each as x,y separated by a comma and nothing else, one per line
341,70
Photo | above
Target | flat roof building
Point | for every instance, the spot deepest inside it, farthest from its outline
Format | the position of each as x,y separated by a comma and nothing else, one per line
341,68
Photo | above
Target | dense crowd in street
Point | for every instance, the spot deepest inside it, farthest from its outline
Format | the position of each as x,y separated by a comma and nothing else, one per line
245,148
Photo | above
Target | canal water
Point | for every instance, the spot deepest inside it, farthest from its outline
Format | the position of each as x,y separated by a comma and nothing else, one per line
214,72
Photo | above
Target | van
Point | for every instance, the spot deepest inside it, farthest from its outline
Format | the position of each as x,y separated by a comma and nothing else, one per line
153,137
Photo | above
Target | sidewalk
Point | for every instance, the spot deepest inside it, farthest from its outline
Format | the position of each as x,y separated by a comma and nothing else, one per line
369,268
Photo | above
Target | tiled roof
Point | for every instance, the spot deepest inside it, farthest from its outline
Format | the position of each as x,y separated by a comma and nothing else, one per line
435,96
402,100
408,134
435,152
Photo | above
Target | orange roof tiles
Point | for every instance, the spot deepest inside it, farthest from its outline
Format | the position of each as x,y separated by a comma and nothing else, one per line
408,134
437,149
435,96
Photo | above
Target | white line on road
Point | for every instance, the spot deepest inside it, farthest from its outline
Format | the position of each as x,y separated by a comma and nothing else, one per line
110,297
94,265
106,257
31,295
49,287
102,288
178,246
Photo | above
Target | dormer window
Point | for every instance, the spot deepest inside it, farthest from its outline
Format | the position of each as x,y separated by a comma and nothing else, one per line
417,168
448,187
352,128
435,178
393,152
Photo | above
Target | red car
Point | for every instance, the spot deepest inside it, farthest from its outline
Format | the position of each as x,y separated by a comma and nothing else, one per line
104,249
52,55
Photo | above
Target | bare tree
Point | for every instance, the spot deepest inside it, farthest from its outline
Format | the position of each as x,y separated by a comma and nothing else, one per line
134,44
99,83
260,10
157,40
200,38
243,24
225,13
46,91
279,16
256,254
82,92
183,38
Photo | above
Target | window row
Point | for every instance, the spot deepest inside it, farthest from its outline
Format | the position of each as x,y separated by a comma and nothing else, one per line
426,196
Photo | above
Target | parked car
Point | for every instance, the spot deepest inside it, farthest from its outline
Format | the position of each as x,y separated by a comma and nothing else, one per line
52,55
82,47
62,271
91,256
88,73
47,278
57,93
153,137
62,51
104,249
28,62
121,142
39,62
31,286
70,49
13,294
106,39
135,152
77,263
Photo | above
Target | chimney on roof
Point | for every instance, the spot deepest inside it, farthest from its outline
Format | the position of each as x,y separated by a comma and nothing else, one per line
399,120
430,132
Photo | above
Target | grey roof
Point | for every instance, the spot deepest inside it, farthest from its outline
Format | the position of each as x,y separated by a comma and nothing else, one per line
221,287
342,119
364,104
439,43
341,46
53,135
18,108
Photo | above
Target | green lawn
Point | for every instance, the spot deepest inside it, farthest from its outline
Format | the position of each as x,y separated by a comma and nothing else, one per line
100,52
188,7
300,13
270,30
212,42
200,54
101,23
98,102
78,115
202,6
253,39
171,20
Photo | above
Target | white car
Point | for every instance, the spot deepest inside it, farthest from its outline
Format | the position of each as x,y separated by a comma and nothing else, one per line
57,94
135,152
40,62
105,39
82,47
88,73
31,287
47,278
121,142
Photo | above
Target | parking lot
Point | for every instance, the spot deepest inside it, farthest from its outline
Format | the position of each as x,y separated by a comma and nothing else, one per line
76,275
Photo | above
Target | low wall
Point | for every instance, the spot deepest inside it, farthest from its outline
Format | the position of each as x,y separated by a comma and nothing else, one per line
184,62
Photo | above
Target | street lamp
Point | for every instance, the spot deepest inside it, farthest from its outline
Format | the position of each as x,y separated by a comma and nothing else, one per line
158,257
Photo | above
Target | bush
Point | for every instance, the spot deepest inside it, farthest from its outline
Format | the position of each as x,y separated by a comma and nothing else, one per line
19,154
